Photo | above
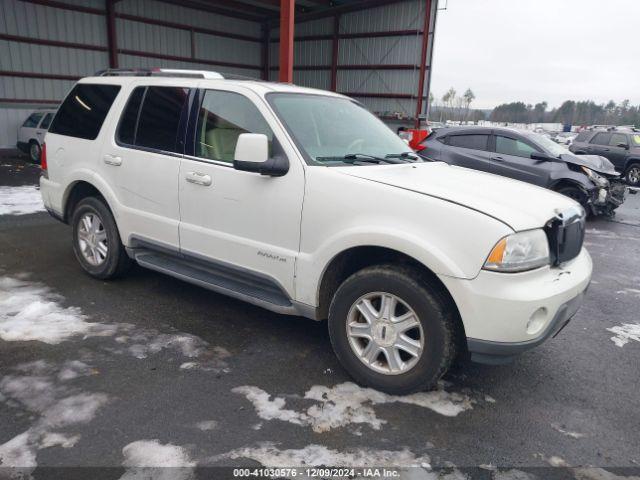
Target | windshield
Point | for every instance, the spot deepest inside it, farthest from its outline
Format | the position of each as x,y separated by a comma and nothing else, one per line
549,146
327,129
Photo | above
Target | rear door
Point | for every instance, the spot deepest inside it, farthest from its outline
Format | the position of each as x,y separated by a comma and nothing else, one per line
599,144
141,162
469,150
41,131
512,158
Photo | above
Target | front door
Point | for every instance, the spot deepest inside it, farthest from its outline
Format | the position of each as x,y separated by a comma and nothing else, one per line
241,219
512,158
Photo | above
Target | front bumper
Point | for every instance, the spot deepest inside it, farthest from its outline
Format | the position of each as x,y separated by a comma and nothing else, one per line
507,313
604,200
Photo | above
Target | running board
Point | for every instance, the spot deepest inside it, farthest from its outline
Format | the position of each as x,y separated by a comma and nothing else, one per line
219,278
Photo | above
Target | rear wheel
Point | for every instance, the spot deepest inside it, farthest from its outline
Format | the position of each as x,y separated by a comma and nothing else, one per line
34,151
391,330
96,241
632,175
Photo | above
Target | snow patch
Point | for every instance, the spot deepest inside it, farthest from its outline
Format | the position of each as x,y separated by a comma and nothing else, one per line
269,455
625,333
18,453
207,425
558,428
51,439
30,311
20,200
149,459
347,403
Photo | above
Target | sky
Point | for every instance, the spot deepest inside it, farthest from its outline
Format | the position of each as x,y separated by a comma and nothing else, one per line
535,50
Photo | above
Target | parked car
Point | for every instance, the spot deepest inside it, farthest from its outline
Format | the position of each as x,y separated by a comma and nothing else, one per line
620,146
304,203
31,133
533,158
565,138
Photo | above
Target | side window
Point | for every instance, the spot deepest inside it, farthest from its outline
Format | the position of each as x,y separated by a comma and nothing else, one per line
617,138
32,120
83,111
222,118
46,121
510,146
474,142
129,120
160,118
582,136
601,139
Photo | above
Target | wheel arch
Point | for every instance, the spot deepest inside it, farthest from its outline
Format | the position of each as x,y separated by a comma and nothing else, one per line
75,192
354,259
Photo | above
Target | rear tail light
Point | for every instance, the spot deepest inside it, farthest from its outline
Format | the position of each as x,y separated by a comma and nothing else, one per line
43,159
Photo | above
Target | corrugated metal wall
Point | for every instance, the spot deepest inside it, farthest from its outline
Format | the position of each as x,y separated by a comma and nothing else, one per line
192,49
37,21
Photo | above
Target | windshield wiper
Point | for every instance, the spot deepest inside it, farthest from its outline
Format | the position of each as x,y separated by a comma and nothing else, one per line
408,156
352,158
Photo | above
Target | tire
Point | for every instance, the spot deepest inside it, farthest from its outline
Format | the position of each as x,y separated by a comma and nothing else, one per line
34,151
632,175
108,259
575,194
437,327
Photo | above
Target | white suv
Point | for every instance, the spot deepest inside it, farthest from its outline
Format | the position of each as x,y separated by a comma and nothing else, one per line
31,133
304,203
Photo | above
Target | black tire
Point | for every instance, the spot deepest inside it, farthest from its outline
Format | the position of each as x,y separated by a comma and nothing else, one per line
575,194
116,262
435,313
632,174
34,151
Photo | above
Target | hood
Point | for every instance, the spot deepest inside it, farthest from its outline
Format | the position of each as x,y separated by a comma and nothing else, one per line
594,162
519,205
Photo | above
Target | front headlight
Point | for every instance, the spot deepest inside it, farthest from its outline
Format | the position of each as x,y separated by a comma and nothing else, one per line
519,252
595,178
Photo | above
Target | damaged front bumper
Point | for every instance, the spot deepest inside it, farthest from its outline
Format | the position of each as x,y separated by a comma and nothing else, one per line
605,199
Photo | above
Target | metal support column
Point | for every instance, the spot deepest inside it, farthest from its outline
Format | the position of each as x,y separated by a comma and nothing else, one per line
423,59
112,43
287,13
334,53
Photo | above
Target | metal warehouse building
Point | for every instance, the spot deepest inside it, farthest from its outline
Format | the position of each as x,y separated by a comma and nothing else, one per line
377,51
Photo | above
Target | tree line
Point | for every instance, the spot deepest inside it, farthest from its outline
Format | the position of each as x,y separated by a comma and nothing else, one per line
586,112
454,107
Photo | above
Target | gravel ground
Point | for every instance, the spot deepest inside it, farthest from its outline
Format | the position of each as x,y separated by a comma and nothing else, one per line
149,370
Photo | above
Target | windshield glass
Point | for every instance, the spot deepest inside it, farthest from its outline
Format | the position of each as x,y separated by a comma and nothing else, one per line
549,146
328,128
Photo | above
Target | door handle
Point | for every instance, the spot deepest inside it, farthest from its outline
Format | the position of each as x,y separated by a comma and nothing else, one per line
112,160
198,178
605,149
497,159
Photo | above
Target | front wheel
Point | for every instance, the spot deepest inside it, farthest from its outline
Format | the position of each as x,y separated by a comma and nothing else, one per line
632,175
575,194
391,330
96,241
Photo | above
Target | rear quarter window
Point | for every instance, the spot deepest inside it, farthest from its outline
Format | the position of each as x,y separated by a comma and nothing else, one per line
82,113
32,120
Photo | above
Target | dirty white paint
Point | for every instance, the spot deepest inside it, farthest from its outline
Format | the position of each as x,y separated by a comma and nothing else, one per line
625,333
150,459
30,311
347,403
575,435
20,200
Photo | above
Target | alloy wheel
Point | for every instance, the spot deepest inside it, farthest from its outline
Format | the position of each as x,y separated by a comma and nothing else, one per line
633,176
385,333
92,239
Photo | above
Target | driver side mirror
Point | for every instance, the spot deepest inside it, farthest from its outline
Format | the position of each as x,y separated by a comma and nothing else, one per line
542,157
623,145
252,155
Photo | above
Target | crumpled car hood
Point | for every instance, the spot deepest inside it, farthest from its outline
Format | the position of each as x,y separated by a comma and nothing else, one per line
596,163
520,205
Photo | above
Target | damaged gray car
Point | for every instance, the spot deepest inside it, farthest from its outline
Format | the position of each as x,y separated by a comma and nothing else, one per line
533,158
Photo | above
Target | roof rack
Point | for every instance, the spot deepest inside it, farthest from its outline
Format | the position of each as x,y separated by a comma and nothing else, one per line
158,72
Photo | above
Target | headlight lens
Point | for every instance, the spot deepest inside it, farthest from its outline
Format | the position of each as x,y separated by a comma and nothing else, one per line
595,178
519,252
